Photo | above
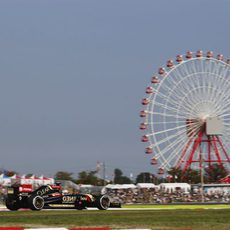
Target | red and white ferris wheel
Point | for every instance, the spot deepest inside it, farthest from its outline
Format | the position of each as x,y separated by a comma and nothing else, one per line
186,115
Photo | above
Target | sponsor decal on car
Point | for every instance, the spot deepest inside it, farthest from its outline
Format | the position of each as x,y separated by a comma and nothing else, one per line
44,190
69,199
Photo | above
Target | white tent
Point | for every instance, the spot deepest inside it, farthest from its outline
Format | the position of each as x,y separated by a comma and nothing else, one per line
127,186
46,180
146,185
172,187
120,186
6,181
1,178
85,185
34,180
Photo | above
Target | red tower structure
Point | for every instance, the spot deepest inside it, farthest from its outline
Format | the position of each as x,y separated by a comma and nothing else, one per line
205,142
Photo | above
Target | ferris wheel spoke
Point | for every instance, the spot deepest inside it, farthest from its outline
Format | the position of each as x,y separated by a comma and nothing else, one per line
172,83
181,83
168,130
224,109
190,132
176,98
173,144
175,148
227,125
221,93
225,115
221,82
171,90
172,102
223,101
197,96
222,112
169,108
223,97
167,139
182,104
166,115
174,155
167,122
186,83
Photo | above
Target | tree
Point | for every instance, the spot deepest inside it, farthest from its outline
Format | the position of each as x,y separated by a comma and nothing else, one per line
146,177
215,172
175,174
119,178
62,175
9,173
89,177
117,173
190,176
211,174
29,175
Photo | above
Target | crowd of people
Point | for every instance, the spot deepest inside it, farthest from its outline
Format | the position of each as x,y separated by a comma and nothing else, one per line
153,196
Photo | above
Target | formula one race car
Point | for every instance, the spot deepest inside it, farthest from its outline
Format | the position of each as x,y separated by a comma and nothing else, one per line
51,196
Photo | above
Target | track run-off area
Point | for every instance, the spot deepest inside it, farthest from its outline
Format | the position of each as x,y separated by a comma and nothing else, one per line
176,217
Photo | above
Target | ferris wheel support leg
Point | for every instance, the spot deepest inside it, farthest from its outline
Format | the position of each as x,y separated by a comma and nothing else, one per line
196,144
200,160
217,152
222,147
209,156
179,162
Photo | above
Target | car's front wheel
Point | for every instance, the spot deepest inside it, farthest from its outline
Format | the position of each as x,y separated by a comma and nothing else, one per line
103,202
36,202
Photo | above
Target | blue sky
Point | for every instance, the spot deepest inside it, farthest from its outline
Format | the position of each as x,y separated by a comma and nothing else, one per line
73,74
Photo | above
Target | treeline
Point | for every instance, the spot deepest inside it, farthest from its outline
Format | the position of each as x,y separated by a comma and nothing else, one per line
91,177
211,174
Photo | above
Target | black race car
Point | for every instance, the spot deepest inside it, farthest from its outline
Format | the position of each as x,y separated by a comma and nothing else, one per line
51,196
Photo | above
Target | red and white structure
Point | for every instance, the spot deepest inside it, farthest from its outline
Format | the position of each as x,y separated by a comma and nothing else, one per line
186,114
32,180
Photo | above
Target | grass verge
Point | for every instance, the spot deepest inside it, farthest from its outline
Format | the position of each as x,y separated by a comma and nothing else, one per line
179,206
186,219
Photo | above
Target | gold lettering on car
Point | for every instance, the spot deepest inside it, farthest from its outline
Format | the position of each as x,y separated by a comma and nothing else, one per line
68,199
44,191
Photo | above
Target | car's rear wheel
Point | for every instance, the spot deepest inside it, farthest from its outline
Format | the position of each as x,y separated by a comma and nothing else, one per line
79,205
12,204
103,202
36,203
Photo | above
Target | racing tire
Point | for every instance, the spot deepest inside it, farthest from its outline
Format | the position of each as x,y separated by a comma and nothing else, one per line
12,204
36,203
103,202
79,205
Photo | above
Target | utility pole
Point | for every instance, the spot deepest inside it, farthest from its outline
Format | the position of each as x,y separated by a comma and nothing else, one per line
103,168
201,178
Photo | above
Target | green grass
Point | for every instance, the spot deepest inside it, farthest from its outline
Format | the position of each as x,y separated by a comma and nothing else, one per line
196,219
180,206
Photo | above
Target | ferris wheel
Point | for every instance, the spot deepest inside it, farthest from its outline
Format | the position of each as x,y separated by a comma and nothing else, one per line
186,115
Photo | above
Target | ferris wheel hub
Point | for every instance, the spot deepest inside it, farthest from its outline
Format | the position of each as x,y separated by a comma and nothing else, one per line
204,117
